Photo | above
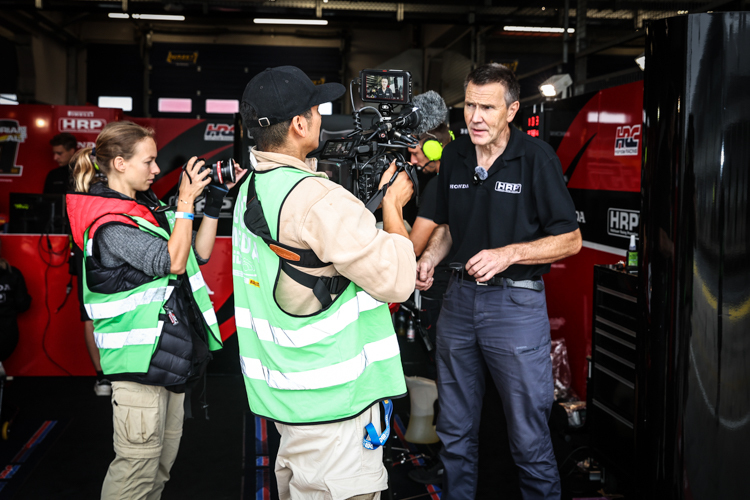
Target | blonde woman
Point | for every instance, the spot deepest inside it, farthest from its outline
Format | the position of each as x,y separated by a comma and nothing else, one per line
153,321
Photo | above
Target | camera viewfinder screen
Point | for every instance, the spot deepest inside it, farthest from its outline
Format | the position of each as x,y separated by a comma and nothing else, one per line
385,87
340,149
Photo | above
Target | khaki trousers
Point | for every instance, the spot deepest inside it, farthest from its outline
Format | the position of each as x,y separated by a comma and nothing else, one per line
328,461
147,430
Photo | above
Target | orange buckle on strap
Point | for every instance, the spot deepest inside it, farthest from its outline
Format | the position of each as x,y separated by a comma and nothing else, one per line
284,253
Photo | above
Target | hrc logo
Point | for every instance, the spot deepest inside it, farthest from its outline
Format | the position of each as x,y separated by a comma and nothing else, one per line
219,132
626,143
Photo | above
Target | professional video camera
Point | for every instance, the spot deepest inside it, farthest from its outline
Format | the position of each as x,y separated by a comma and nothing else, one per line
358,160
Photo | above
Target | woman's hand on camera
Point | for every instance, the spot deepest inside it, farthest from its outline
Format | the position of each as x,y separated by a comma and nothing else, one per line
193,181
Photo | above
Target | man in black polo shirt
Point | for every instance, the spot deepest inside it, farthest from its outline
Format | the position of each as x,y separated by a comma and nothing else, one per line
505,215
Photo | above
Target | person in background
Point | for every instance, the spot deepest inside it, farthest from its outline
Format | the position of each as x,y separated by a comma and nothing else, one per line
426,157
14,299
427,169
58,181
102,386
503,214
154,323
63,148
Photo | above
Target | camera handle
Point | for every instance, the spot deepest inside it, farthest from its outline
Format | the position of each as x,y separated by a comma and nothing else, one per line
373,203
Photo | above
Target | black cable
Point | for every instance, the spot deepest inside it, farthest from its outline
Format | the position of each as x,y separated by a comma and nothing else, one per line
68,289
50,251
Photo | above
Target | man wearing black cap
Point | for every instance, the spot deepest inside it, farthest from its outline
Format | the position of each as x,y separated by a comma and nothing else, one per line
312,276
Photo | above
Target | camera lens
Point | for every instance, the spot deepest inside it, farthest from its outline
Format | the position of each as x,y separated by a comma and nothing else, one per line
222,172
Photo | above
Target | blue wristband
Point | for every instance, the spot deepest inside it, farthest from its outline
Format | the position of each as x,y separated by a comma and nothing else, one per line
184,215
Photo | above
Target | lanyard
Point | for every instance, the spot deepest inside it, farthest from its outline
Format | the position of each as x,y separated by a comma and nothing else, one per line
372,440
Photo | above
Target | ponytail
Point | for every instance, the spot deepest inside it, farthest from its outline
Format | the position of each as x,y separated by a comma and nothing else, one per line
84,170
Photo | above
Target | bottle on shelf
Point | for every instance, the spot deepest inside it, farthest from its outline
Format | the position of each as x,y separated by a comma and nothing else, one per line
632,256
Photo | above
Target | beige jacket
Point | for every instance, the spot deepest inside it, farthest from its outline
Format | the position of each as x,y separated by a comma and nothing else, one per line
326,218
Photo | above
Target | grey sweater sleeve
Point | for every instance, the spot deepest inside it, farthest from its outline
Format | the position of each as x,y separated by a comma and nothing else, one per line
120,244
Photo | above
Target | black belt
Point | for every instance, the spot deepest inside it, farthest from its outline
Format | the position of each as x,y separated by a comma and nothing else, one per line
536,285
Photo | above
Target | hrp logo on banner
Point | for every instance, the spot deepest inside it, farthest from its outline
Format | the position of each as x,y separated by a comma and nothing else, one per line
622,222
81,125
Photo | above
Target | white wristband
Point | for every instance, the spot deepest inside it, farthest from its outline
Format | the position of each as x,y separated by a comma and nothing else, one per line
184,215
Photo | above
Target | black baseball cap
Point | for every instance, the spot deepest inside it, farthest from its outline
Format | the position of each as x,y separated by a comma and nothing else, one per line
280,94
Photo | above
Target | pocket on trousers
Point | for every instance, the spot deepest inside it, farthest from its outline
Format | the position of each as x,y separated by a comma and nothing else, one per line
526,297
531,350
136,420
361,484
452,284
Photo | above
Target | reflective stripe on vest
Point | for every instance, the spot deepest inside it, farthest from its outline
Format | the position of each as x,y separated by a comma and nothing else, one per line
321,378
130,303
136,336
196,283
308,334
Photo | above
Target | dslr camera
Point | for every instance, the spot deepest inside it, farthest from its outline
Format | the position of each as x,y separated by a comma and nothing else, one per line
358,161
221,171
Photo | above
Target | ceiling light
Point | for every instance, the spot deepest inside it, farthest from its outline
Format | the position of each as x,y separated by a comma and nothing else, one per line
308,22
548,90
147,17
641,61
537,29
118,102
10,99
555,85
158,17
681,12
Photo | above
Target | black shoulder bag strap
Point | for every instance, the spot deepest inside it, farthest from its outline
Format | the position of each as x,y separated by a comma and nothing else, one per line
322,286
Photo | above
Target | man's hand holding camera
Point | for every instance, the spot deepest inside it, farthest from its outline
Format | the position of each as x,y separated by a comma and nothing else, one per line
396,196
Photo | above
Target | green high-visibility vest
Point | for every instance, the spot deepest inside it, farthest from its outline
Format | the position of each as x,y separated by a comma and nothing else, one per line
325,367
126,323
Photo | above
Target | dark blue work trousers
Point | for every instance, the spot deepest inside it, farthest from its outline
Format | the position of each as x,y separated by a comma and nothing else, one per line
508,329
